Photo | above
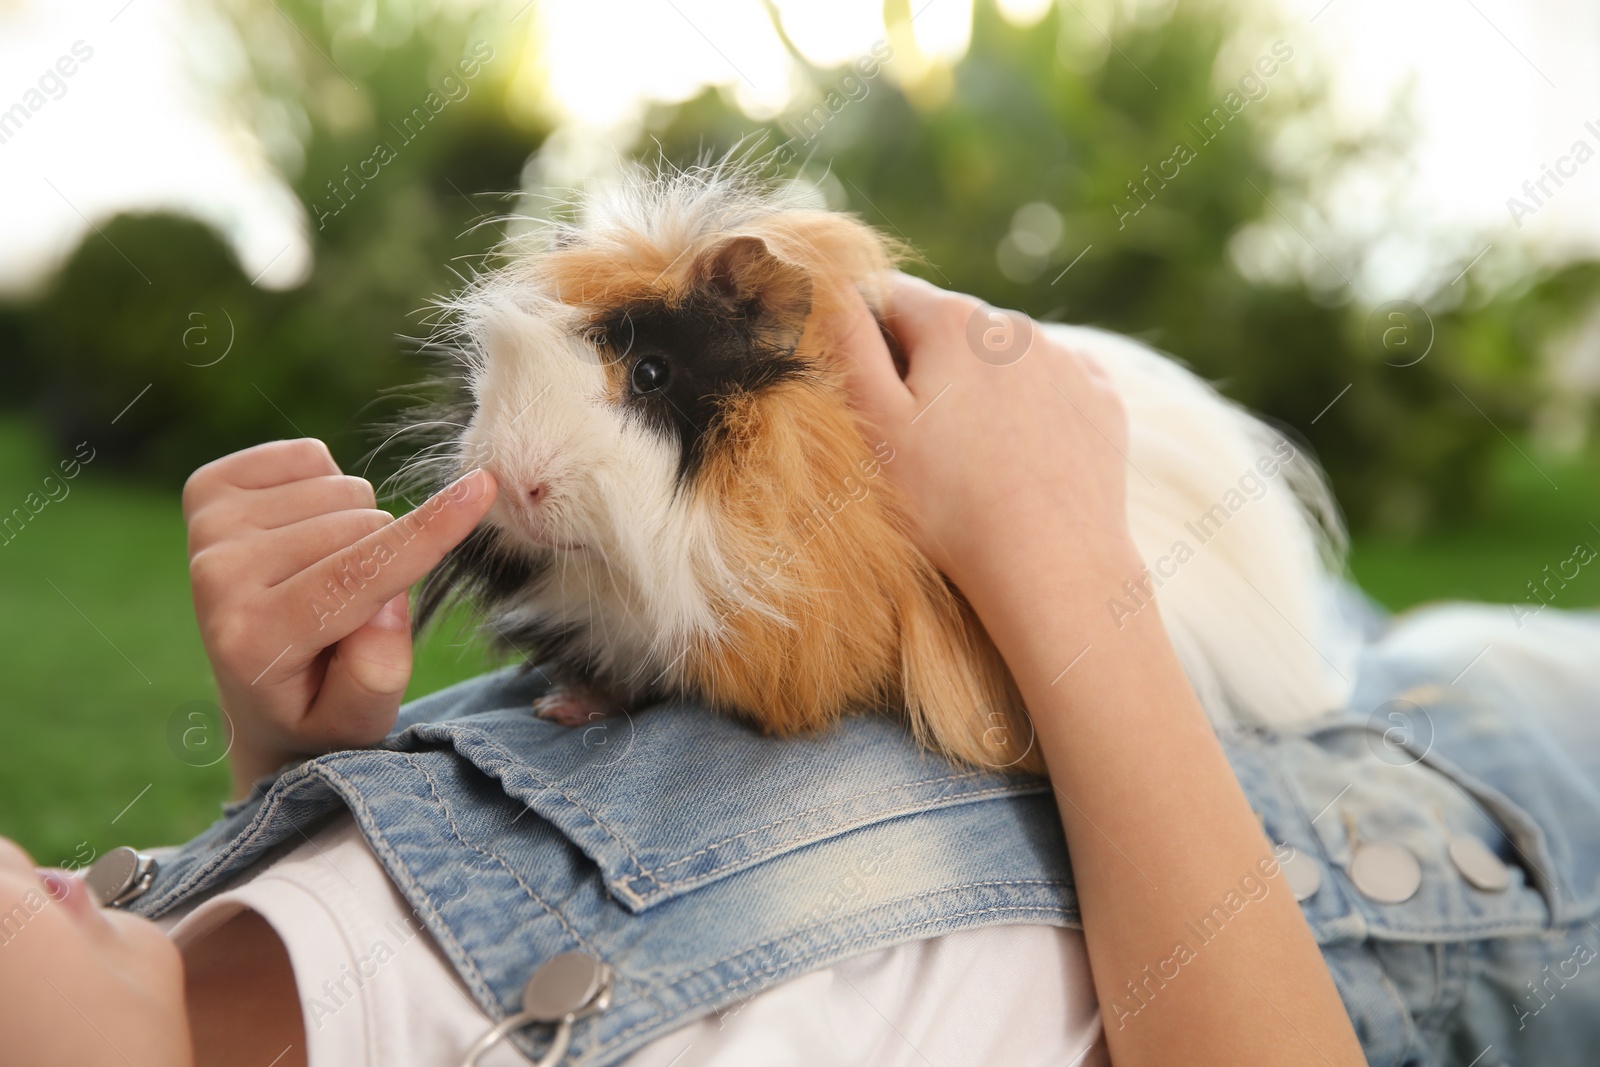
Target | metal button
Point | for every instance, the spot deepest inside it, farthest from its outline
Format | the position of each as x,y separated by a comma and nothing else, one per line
1478,864
564,989
1303,874
569,984
119,876
1386,873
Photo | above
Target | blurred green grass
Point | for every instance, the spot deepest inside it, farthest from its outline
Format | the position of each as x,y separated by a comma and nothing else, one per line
1540,510
98,646
98,652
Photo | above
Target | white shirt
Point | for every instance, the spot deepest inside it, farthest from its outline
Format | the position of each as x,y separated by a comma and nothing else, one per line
375,989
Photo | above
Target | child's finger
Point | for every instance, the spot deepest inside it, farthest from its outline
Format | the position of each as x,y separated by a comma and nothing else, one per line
257,467
280,554
1092,364
931,325
13,856
875,388
364,683
337,595
281,505
241,513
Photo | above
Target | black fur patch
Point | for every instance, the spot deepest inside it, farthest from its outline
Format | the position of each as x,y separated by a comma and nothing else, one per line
488,577
558,647
479,570
713,351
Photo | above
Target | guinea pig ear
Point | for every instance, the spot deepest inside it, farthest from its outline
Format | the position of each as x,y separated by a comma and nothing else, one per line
743,272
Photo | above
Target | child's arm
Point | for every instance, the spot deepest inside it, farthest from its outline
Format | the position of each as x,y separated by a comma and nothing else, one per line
1016,479
300,589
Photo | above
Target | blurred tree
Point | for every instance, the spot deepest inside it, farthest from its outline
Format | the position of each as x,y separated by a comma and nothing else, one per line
18,370
1053,176
386,167
1046,171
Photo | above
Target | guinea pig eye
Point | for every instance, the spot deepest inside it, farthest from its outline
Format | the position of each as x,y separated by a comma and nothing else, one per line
649,375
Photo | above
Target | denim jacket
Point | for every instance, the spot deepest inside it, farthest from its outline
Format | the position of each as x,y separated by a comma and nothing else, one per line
705,862
698,859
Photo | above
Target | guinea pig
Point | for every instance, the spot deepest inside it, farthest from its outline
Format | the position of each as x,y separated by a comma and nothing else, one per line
689,507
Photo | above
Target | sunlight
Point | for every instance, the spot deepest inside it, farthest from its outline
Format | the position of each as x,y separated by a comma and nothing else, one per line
1499,89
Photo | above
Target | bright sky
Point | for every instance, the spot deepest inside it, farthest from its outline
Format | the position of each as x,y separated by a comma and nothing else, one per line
124,132
1501,89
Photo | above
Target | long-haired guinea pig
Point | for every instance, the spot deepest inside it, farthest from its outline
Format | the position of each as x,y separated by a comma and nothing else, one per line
689,508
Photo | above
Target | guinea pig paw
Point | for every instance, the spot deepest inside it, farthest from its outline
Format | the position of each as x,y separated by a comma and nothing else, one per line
573,707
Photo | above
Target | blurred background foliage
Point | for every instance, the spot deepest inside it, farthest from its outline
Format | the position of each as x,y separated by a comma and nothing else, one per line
311,361
1002,171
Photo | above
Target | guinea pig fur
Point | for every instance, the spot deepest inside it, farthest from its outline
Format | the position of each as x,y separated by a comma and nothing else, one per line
688,506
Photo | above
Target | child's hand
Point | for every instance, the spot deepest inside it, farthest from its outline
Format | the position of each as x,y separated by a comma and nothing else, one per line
300,587
1004,466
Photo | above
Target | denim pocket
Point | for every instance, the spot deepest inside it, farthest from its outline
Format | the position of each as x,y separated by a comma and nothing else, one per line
1504,830
1352,800
680,797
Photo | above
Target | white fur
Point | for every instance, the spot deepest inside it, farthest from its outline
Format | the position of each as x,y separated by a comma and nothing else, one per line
544,414
1248,612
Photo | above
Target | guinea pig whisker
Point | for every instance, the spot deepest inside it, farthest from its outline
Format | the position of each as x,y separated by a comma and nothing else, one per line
420,469
401,431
